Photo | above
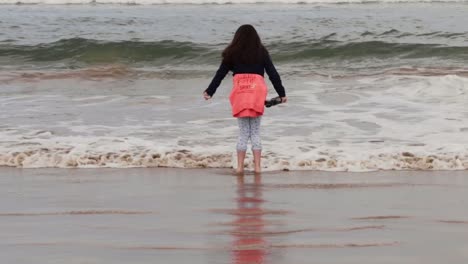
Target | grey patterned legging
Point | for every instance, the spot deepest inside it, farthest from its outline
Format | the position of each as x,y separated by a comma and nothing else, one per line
249,128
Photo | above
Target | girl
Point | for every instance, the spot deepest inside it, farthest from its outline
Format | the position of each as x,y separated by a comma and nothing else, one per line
248,59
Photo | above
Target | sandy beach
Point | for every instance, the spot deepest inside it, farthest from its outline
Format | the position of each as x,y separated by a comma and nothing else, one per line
212,216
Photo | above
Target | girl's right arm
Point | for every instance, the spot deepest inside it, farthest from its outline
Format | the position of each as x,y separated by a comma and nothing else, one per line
219,76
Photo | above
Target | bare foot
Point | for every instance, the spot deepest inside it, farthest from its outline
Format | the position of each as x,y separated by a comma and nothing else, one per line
240,171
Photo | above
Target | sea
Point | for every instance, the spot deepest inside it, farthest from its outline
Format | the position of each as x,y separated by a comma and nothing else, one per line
372,85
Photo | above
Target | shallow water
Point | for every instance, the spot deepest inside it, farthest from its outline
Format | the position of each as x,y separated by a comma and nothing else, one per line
370,86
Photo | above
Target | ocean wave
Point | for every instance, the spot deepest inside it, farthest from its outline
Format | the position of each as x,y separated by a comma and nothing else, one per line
80,51
201,2
90,51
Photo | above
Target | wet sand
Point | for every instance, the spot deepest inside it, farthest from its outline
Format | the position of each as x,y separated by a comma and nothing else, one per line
212,216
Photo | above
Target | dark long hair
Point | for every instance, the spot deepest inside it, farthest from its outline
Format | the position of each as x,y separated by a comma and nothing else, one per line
245,48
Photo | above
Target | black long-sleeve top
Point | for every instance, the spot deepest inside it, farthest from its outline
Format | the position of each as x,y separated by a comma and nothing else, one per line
259,69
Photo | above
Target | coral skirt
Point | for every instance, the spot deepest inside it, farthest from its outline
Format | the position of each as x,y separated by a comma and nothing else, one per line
248,95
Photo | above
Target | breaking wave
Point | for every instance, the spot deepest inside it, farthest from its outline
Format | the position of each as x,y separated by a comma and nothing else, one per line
184,158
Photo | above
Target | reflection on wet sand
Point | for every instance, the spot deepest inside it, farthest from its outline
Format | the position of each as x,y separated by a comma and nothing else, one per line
249,245
255,236
106,221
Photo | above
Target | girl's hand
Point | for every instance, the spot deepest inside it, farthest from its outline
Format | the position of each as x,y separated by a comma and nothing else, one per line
206,96
284,99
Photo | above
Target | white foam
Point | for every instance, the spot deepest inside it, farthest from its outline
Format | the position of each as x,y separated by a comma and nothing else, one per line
133,152
347,124
446,89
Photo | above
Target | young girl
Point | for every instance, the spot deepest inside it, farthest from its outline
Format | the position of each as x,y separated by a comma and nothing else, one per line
248,59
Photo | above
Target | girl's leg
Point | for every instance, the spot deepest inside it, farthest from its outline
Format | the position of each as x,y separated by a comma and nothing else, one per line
240,161
244,135
256,142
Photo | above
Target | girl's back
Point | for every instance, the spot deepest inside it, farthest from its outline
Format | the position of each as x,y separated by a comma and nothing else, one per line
248,60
